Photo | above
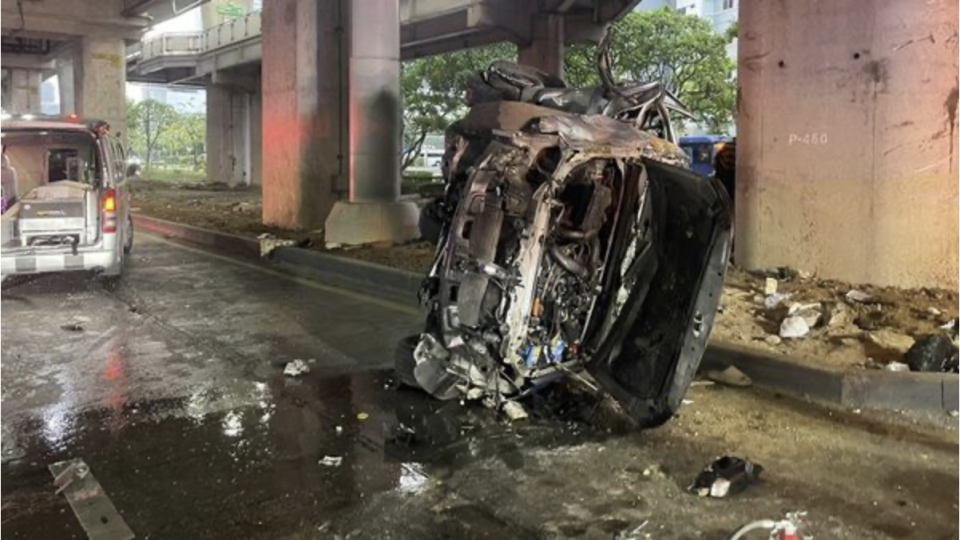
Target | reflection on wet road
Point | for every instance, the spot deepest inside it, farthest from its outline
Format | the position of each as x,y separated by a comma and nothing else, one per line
171,389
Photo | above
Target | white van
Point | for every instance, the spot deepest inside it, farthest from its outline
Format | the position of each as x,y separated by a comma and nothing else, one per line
66,197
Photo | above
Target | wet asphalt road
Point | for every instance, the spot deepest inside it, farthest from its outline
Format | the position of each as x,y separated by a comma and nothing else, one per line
170,387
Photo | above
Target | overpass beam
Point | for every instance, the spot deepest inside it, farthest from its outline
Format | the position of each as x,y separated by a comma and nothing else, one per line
544,51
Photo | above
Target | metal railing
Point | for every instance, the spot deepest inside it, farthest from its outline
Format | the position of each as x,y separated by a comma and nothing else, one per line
232,31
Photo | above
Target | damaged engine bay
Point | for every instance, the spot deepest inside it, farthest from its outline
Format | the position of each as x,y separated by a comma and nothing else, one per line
571,236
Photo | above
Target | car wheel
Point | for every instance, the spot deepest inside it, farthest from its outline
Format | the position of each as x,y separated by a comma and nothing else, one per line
404,362
128,237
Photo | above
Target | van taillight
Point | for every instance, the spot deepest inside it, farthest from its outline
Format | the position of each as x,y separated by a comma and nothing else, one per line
110,211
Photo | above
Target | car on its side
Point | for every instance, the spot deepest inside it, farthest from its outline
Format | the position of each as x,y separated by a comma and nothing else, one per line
68,203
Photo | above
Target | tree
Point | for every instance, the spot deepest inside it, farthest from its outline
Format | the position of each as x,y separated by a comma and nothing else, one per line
682,51
186,133
147,122
434,91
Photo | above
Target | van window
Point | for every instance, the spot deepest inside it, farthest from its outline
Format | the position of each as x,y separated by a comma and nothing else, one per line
42,157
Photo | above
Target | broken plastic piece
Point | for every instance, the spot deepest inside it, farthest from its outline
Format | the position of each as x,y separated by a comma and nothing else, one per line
331,461
726,476
296,368
514,411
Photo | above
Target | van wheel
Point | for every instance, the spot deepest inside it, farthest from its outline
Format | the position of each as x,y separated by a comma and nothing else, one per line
110,282
128,238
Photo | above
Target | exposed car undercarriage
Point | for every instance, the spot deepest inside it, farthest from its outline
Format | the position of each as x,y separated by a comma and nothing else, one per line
571,236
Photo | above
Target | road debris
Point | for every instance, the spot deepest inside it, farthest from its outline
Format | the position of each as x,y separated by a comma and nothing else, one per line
794,327
858,296
773,300
769,286
72,327
514,411
269,242
296,368
97,514
635,533
934,352
891,340
810,313
731,376
331,461
897,366
363,416
726,476
773,340
787,528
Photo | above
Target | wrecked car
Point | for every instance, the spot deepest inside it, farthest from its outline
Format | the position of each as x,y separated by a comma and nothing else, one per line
572,236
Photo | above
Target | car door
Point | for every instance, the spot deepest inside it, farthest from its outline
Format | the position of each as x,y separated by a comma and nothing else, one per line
653,349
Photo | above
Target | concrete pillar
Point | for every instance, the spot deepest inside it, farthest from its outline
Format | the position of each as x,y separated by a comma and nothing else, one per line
24,91
545,49
233,135
256,138
99,80
372,211
220,156
65,82
304,112
847,150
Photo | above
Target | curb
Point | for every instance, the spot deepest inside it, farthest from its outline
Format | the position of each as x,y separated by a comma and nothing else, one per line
229,243
855,389
852,389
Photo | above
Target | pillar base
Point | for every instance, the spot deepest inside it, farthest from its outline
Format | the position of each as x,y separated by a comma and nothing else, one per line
355,223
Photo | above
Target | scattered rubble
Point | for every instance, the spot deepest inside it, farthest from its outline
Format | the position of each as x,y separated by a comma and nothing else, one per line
770,287
269,242
935,352
296,368
726,476
794,327
731,376
810,313
855,295
891,340
897,366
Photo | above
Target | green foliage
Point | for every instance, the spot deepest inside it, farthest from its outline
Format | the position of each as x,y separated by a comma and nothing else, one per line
434,90
147,122
160,131
683,51
186,134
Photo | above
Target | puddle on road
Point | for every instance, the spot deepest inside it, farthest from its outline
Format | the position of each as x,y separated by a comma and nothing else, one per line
245,459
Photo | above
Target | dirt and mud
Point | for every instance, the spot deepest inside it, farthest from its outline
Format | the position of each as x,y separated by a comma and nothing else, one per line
848,335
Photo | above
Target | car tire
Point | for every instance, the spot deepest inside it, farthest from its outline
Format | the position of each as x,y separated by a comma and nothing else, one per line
128,241
404,362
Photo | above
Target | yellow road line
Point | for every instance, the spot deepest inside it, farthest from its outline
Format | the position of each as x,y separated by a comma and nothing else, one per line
396,306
